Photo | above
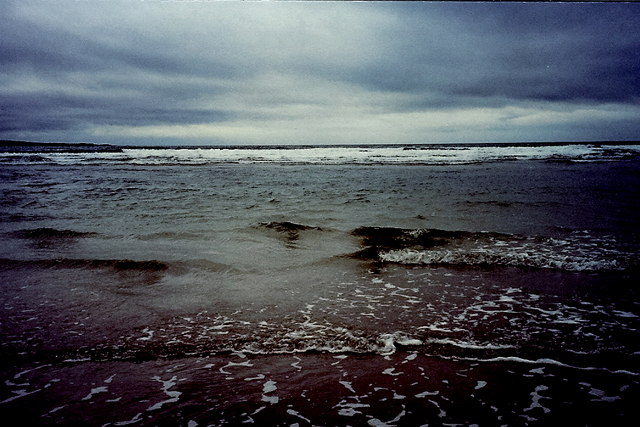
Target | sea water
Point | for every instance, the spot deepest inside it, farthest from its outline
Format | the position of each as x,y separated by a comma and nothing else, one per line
368,285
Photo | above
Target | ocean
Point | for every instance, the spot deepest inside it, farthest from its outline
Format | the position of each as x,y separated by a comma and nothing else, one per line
492,284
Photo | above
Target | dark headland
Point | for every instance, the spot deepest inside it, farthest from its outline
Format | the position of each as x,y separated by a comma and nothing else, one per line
22,146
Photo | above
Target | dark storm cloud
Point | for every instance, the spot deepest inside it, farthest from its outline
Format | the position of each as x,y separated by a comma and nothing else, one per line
228,71
62,111
563,52
66,81
28,44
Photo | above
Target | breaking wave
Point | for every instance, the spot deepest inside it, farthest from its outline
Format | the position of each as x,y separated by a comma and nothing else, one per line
205,335
572,252
425,154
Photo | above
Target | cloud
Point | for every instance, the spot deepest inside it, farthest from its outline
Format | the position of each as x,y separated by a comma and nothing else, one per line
235,72
517,51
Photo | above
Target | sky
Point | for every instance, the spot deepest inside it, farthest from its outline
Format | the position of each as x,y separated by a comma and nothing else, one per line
209,72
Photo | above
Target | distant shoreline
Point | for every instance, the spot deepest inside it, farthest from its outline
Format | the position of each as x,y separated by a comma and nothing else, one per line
12,143
7,145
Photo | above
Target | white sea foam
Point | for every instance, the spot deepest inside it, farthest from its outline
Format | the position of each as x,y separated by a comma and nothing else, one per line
626,314
297,414
442,413
535,400
572,254
18,394
410,357
256,378
149,335
21,373
392,372
546,361
374,422
601,396
427,393
348,386
402,413
56,409
350,409
269,387
400,154
389,342
233,364
173,395
95,391
467,344
136,419
270,399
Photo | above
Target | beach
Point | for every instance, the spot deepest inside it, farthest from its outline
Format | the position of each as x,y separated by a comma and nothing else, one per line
349,285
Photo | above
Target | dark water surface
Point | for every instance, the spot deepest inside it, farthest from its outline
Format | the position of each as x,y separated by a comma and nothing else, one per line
166,288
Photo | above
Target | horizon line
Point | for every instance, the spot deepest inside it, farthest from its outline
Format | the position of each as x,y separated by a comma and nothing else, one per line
19,143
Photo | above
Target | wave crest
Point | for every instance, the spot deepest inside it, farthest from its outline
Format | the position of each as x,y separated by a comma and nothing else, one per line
114,264
573,252
427,154
51,233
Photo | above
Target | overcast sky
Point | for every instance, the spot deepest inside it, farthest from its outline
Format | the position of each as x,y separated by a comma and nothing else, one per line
151,72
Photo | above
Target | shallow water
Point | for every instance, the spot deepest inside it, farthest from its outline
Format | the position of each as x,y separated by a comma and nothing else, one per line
192,291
